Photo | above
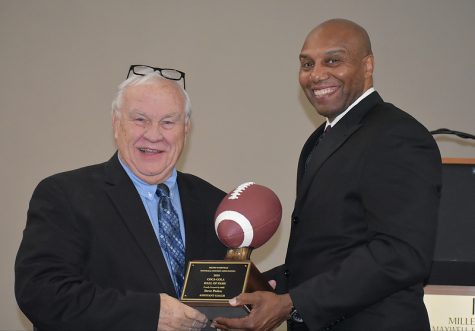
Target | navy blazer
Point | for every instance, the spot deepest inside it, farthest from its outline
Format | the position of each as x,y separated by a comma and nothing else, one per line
89,258
364,223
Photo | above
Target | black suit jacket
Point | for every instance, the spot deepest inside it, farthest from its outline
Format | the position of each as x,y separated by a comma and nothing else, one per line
364,223
89,258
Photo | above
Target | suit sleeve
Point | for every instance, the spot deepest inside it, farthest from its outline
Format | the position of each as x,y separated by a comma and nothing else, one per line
50,283
399,193
277,274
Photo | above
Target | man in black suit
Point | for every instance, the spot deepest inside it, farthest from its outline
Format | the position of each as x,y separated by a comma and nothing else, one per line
364,221
92,255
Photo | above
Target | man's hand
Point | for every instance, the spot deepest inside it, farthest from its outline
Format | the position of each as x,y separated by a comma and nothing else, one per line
269,310
175,315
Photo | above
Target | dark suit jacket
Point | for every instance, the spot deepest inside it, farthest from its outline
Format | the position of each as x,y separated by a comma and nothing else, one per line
89,259
364,223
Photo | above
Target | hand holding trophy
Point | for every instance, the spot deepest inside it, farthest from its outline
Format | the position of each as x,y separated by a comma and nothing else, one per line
245,219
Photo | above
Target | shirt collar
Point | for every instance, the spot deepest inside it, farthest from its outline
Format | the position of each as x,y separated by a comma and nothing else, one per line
339,117
148,190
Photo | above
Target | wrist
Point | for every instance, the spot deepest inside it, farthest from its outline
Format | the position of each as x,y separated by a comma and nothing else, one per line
287,305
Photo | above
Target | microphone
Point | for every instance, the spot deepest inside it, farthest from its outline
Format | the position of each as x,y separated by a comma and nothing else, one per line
453,132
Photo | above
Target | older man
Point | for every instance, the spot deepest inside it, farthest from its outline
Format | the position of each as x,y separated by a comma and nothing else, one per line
364,221
105,246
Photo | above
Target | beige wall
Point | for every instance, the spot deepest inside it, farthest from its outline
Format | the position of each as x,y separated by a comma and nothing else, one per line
61,61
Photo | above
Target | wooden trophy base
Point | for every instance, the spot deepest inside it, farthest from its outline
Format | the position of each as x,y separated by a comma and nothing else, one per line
209,285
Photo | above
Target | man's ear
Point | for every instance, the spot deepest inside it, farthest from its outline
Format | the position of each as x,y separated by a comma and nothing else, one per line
115,124
187,126
368,62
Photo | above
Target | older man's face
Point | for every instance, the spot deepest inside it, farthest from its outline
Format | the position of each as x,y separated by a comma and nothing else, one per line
150,130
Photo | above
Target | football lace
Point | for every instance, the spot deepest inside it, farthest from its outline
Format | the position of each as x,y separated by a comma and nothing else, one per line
235,194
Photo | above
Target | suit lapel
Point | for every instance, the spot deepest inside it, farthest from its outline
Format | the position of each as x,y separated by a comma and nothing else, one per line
305,154
338,135
127,201
194,229
323,151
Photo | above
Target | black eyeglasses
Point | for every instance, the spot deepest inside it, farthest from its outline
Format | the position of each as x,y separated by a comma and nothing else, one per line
142,70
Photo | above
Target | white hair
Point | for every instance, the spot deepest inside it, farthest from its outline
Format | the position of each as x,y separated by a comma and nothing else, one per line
136,80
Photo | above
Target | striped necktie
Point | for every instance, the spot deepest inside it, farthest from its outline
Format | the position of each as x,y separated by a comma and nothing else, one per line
170,237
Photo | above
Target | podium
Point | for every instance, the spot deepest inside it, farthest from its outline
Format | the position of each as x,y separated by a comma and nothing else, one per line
450,293
454,257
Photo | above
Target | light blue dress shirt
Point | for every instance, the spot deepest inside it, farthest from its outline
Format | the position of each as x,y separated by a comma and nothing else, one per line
150,201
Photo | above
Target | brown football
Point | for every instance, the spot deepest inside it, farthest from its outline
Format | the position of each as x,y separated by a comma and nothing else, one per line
248,216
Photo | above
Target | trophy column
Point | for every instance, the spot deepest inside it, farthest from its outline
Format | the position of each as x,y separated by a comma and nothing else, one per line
245,219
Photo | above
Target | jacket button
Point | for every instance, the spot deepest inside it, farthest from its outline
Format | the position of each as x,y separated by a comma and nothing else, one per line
295,219
286,273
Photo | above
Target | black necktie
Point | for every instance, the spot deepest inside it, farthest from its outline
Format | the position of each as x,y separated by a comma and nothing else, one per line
324,133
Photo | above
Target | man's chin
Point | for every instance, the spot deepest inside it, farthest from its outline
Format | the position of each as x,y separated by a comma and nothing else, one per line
327,112
153,176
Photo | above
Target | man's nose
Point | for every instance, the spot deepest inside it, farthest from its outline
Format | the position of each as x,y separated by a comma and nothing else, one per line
154,132
318,73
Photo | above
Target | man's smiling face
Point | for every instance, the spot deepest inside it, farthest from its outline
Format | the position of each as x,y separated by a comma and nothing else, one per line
335,68
150,129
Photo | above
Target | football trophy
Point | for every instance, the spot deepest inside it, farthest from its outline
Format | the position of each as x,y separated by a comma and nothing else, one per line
245,219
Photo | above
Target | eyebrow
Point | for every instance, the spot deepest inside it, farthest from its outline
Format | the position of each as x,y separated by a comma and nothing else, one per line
136,111
336,51
174,114
326,53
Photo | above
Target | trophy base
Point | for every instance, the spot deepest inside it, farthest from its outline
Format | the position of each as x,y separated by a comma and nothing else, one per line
215,311
209,285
